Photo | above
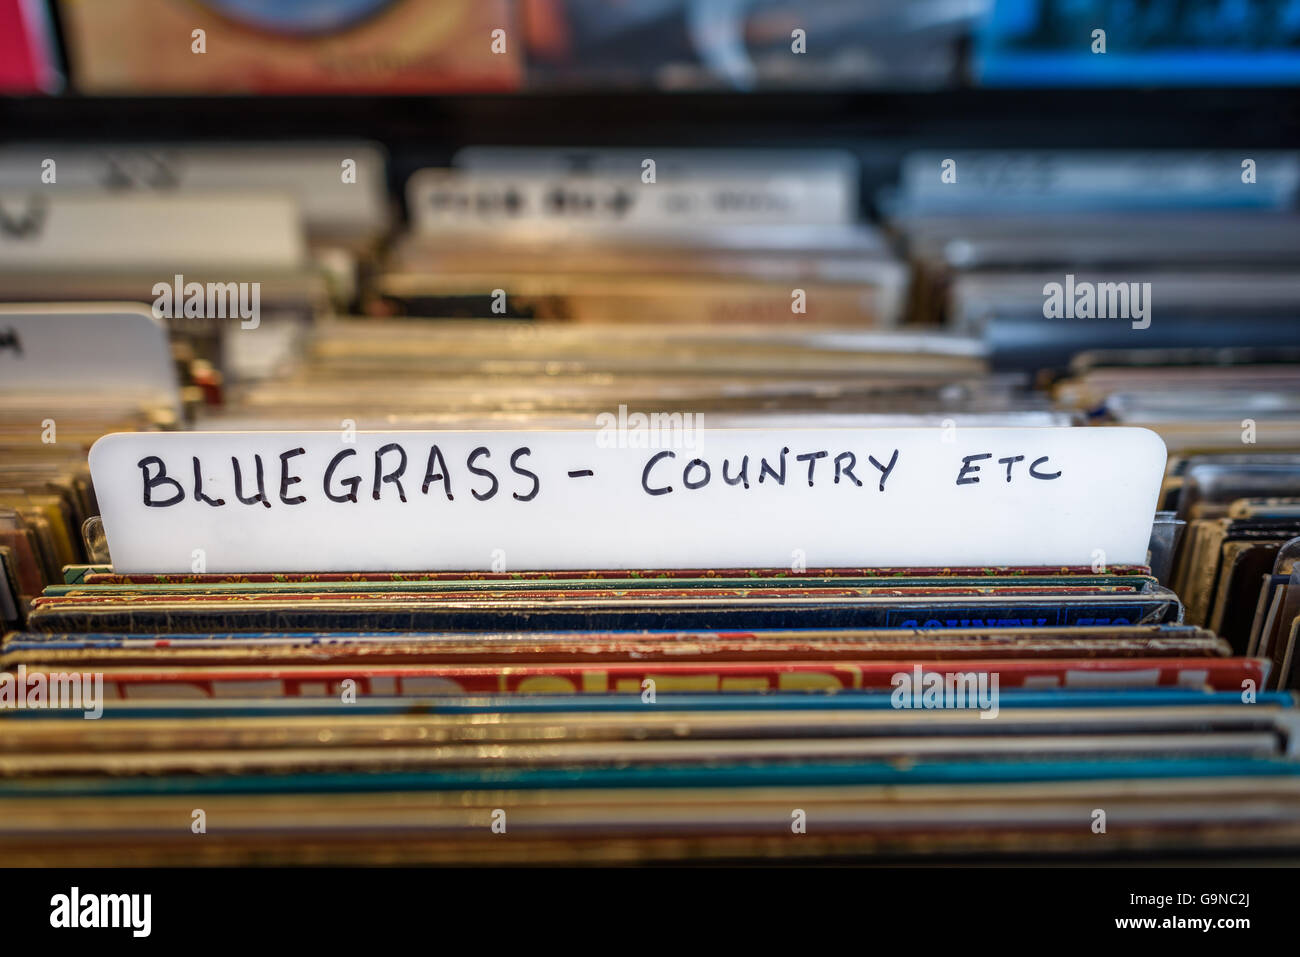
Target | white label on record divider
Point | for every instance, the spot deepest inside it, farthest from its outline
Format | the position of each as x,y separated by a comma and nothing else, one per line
96,350
481,501
155,233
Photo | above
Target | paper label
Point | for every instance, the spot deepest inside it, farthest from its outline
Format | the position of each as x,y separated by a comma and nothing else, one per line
90,350
340,187
442,199
634,493
944,181
47,230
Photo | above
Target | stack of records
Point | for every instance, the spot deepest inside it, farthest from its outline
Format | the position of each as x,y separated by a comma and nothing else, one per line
1047,254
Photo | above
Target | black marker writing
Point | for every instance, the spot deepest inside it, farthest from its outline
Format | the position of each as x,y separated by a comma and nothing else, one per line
967,467
352,482
394,476
811,458
966,475
442,475
515,467
160,478
1033,470
198,487
645,473
885,470
742,477
343,476
469,464
847,469
698,472
1010,461
698,465
261,482
286,479
765,470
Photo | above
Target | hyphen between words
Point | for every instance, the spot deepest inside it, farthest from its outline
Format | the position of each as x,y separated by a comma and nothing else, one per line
391,473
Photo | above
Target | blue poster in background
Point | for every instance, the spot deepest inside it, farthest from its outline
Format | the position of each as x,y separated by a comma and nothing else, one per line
1146,43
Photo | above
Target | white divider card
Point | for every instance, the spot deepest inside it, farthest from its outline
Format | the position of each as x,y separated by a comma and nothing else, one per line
627,495
453,198
71,231
88,350
679,162
772,185
1032,179
340,187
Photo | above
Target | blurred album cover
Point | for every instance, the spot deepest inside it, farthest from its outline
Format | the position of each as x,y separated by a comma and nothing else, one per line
291,46
27,61
748,44
1118,42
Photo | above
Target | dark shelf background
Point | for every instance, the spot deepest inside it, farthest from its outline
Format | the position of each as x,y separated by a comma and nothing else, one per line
878,127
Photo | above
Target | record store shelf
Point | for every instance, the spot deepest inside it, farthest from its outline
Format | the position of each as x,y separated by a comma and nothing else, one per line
871,477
